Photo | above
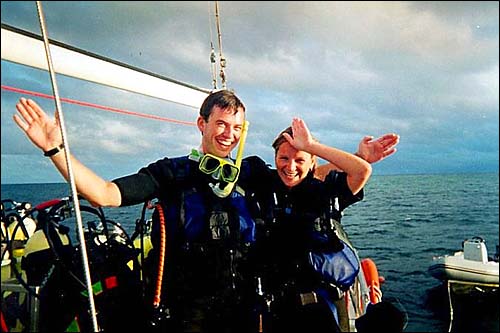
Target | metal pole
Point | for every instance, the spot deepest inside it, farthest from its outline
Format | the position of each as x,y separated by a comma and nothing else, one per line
74,192
222,59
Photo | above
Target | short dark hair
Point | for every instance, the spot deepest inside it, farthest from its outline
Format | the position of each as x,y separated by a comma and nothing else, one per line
281,139
224,99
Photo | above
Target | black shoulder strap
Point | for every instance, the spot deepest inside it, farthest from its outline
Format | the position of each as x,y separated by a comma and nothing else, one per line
180,168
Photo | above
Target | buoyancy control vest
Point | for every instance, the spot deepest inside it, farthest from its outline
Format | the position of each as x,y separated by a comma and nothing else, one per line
299,235
207,238
303,259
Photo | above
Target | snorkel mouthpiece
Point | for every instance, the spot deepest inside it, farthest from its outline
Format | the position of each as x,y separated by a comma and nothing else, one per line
222,189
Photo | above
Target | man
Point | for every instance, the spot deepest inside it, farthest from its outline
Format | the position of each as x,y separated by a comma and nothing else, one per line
220,127
204,287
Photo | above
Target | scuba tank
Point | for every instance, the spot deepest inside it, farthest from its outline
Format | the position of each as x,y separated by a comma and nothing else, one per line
17,226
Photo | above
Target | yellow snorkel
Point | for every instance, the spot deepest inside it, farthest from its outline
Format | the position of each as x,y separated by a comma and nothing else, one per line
227,187
243,138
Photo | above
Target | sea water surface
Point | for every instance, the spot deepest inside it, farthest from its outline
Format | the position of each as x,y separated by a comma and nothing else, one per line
401,224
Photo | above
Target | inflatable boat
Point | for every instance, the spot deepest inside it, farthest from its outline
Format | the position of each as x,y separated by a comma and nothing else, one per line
471,264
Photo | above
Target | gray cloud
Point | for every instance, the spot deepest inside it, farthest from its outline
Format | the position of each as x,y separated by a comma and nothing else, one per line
425,70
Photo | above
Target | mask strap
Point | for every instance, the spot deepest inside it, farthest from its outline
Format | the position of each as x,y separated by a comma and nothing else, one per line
195,155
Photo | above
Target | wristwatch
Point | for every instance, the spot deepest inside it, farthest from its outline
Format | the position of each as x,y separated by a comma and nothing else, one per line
53,151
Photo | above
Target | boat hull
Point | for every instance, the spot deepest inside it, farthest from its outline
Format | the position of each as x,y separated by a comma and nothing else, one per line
457,268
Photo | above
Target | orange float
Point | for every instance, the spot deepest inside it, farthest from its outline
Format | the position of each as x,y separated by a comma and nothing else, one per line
372,279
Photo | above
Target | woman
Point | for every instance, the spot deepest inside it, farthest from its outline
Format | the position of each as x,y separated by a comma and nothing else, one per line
295,213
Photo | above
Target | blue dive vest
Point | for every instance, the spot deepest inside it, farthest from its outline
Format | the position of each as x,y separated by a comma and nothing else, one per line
207,237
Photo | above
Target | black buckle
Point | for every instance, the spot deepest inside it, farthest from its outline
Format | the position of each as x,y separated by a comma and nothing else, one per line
334,292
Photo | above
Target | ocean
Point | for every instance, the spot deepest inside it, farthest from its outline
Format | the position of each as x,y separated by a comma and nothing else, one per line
401,224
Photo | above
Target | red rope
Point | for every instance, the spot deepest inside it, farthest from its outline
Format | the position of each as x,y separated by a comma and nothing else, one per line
161,260
97,106
3,324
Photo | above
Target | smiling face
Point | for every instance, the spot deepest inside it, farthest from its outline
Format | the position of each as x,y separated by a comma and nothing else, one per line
222,131
292,165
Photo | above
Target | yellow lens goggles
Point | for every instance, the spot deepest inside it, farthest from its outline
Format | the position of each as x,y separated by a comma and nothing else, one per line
210,164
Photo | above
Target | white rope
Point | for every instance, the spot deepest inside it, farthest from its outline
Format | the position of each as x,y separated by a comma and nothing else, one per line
74,192
451,304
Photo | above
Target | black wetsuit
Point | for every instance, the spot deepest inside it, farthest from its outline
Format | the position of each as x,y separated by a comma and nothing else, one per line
207,284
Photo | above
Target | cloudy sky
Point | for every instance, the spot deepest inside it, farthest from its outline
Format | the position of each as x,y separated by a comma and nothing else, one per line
427,71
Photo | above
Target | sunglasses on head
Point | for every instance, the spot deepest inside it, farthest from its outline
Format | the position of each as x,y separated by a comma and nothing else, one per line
210,164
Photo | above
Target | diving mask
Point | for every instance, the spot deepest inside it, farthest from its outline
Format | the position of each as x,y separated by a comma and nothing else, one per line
211,164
